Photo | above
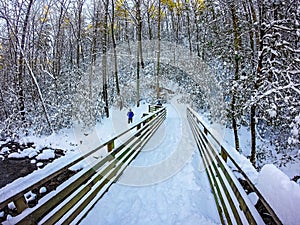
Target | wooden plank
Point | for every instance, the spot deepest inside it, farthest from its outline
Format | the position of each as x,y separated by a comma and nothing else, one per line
21,204
210,154
39,213
110,145
87,187
212,173
45,208
200,149
223,154
229,179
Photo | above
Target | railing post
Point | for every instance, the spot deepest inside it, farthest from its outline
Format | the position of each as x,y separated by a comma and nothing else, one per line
137,128
21,204
110,145
151,108
205,131
223,154
157,107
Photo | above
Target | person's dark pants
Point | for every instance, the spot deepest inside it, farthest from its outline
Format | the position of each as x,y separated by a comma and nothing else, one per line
129,120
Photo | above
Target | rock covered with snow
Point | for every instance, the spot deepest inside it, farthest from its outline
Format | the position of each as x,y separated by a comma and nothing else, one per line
46,154
282,194
26,153
5,150
40,164
16,155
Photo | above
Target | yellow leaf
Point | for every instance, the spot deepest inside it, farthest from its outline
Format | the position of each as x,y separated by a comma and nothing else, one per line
89,26
200,4
43,20
170,4
67,21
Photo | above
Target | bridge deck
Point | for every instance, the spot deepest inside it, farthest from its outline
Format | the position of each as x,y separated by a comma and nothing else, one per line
165,184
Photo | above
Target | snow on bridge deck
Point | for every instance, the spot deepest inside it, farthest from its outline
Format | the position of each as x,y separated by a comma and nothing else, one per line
165,184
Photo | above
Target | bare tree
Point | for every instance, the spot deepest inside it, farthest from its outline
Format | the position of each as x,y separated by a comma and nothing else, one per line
139,60
104,55
158,50
115,53
236,45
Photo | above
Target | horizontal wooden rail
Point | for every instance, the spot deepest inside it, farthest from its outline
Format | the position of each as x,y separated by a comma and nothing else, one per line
76,193
153,108
231,199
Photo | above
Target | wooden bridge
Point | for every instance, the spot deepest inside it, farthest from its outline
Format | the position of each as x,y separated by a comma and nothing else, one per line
74,197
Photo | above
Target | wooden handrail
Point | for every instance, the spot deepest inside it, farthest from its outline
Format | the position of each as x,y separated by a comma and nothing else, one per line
137,139
216,157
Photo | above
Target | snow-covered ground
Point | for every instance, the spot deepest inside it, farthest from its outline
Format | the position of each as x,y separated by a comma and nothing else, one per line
166,183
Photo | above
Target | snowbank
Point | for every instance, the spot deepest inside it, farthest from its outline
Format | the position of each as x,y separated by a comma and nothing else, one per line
282,194
46,154
26,153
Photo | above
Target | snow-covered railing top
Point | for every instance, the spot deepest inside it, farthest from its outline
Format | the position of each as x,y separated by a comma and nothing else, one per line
73,196
231,198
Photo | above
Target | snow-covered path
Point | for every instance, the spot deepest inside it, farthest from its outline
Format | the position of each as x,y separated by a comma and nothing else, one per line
165,184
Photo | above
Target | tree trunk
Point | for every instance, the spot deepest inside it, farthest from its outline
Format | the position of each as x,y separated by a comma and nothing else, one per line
127,37
78,47
257,81
253,42
139,49
253,134
188,28
115,53
93,58
158,51
197,34
39,93
149,25
236,75
4,105
21,96
104,59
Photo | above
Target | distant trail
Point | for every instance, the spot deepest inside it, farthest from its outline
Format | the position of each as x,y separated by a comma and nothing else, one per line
175,149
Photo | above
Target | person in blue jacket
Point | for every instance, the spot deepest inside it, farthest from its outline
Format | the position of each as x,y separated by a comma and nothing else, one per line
130,115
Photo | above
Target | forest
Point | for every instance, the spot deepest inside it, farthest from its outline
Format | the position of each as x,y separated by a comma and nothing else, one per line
62,61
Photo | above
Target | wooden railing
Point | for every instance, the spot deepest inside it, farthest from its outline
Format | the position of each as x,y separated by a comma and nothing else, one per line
73,198
232,201
153,108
